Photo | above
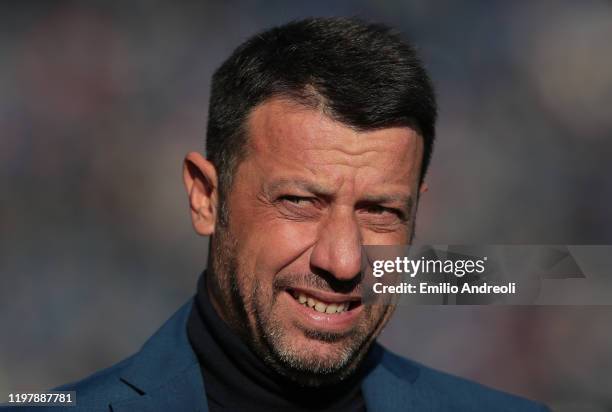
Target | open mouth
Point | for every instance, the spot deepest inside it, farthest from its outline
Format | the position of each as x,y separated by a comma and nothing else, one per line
323,304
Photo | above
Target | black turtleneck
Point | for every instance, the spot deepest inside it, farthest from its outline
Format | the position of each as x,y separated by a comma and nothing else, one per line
236,379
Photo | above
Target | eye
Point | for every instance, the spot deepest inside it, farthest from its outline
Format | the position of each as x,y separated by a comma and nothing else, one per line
384,211
299,208
297,200
377,209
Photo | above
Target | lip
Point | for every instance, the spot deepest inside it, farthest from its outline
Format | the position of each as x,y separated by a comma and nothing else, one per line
328,296
310,318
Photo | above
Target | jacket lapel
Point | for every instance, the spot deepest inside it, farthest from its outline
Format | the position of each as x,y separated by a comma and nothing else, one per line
165,373
180,393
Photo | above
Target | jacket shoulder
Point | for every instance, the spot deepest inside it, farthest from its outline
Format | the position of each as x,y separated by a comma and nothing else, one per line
446,392
163,375
94,393
97,391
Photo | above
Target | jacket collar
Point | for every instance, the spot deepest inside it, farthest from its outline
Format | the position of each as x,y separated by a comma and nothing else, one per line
165,372
166,375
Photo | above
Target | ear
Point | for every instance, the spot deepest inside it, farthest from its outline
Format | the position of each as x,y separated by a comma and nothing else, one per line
200,178
424,188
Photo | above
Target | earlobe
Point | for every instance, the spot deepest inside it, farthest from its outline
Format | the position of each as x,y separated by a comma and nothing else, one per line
200,179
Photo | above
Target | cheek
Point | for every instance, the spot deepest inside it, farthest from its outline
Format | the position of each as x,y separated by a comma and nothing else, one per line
278,244
265,241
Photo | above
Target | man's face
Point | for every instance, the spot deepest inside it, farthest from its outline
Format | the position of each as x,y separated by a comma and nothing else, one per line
310,192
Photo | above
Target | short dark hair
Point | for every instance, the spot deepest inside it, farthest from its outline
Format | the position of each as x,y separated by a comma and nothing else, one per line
362,74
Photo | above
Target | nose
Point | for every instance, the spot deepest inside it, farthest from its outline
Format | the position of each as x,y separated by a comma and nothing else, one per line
338,247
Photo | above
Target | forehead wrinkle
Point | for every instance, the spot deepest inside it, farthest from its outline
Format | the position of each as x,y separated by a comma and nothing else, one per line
329,157
307,139
368,161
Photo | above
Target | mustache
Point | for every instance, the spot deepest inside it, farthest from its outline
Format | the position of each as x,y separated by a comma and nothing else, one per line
323,282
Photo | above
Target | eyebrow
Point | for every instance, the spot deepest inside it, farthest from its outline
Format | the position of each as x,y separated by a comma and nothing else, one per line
320,190
303,184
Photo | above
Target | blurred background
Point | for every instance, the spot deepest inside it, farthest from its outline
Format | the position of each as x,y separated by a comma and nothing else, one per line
99,102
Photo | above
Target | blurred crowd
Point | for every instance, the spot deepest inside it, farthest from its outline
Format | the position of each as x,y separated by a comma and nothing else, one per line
99,102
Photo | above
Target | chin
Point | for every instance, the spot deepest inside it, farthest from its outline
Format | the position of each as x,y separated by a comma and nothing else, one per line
307,346
312,358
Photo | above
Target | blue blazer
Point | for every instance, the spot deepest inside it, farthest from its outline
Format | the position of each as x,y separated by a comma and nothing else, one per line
165,376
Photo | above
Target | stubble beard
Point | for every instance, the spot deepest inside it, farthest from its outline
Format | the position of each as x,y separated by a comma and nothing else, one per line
267,337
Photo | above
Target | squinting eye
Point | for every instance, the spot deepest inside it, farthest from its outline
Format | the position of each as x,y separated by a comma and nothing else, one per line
297,200
381,210
375,209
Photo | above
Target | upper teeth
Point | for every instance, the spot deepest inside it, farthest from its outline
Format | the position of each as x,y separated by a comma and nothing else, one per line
320,306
